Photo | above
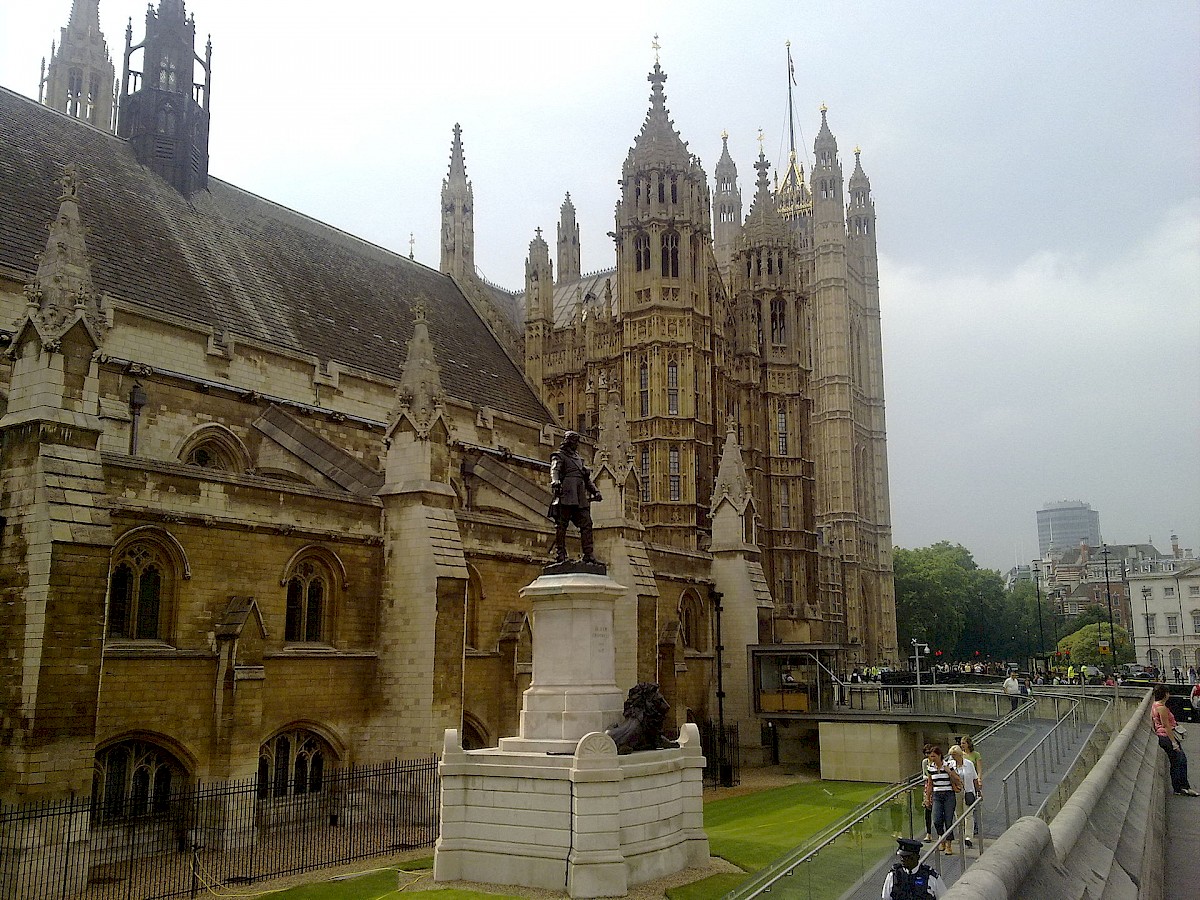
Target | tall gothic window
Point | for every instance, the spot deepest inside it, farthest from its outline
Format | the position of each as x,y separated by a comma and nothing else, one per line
137,590
641,252
292,764
781,425
644,389
307,603
74,91
133,778
785,504
672,389
778,321
645,473
693,625
670,254
673,474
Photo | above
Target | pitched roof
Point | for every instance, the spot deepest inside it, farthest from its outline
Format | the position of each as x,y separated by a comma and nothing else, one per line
241,264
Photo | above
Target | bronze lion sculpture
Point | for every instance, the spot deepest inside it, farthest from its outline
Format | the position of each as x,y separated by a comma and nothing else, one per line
642,729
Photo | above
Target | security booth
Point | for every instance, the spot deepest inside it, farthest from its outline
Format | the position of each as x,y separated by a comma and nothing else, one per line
795,678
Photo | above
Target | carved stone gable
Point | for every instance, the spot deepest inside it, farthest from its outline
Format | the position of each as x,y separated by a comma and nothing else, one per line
420,398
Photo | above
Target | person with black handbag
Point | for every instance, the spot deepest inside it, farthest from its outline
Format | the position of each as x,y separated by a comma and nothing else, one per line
1162,720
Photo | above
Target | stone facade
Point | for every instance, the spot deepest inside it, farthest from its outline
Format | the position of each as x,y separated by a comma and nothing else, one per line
271,493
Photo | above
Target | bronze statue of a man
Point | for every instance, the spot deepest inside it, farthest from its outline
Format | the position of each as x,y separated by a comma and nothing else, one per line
571,483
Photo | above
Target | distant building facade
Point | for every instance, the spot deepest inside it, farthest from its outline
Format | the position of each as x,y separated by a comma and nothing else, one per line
1065,525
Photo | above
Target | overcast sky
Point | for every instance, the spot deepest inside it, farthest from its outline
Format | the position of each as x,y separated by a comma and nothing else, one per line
1035,167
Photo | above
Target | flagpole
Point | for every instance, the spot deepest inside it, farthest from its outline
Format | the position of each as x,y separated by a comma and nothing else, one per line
791,104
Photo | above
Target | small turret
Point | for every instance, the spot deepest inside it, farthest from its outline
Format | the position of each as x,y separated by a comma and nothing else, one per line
568,243
80,78
726,207
164,112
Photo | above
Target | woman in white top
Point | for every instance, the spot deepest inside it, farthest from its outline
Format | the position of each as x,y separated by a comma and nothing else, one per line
972,787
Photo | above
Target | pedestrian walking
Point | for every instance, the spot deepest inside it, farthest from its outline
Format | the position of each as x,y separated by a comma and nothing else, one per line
1012,688
1162,720
941,783
972,791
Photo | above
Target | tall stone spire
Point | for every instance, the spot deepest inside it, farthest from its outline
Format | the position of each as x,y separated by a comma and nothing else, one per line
733,484
658,139
458,215
614,448
568,243
81,78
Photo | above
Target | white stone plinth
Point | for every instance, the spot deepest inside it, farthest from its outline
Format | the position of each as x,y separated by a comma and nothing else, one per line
573,691
592,823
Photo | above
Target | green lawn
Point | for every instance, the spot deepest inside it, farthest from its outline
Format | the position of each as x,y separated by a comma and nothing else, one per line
749,831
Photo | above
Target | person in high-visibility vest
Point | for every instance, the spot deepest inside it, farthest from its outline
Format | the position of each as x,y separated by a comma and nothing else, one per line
1070,674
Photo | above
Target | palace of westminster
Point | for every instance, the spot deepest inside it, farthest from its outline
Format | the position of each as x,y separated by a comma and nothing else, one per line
269,493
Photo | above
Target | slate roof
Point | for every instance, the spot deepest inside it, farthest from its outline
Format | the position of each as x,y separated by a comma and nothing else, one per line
239,263
568,294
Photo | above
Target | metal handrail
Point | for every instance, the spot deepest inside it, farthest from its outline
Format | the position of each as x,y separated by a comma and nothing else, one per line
764,878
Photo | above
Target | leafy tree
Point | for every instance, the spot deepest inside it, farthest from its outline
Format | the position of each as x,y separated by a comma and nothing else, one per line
942,596
1084,645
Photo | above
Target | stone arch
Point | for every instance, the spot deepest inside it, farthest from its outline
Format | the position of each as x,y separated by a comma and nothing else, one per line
693,621
293,760
475,734
475,598
214,446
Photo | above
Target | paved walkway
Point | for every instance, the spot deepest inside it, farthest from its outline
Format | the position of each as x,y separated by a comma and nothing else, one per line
1183,837
999,758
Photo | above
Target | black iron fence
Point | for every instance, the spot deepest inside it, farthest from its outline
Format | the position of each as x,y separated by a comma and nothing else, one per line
215,835
722,757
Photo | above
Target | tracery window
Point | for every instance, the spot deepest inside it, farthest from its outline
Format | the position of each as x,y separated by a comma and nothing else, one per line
641,252
785,504
672,389
781,426
307,603
166,74
140,582
673,474
778,321
133,778
292,764
645,473
670,255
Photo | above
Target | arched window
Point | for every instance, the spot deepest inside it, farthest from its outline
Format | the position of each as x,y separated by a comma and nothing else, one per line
308,591
778,321
133,778
644,389
141,589
693,623
641,252
215,447
292,764
670,255
672,389
1176,658
474,598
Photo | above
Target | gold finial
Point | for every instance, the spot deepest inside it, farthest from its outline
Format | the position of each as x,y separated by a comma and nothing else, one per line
788,44
857,150
761,137
657,46
724,135
824,108
411,243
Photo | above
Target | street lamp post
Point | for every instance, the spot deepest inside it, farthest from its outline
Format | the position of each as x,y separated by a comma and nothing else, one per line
1037,586
1112,637
918,647
1146,599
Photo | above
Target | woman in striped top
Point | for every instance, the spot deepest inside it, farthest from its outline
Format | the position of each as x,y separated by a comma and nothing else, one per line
939,797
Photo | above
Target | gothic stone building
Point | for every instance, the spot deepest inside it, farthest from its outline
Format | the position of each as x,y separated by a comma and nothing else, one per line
270,492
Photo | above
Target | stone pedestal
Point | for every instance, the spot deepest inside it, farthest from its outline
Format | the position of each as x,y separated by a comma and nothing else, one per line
555,807
574,690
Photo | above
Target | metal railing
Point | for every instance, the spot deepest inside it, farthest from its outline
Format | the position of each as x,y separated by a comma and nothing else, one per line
851,849
216,834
